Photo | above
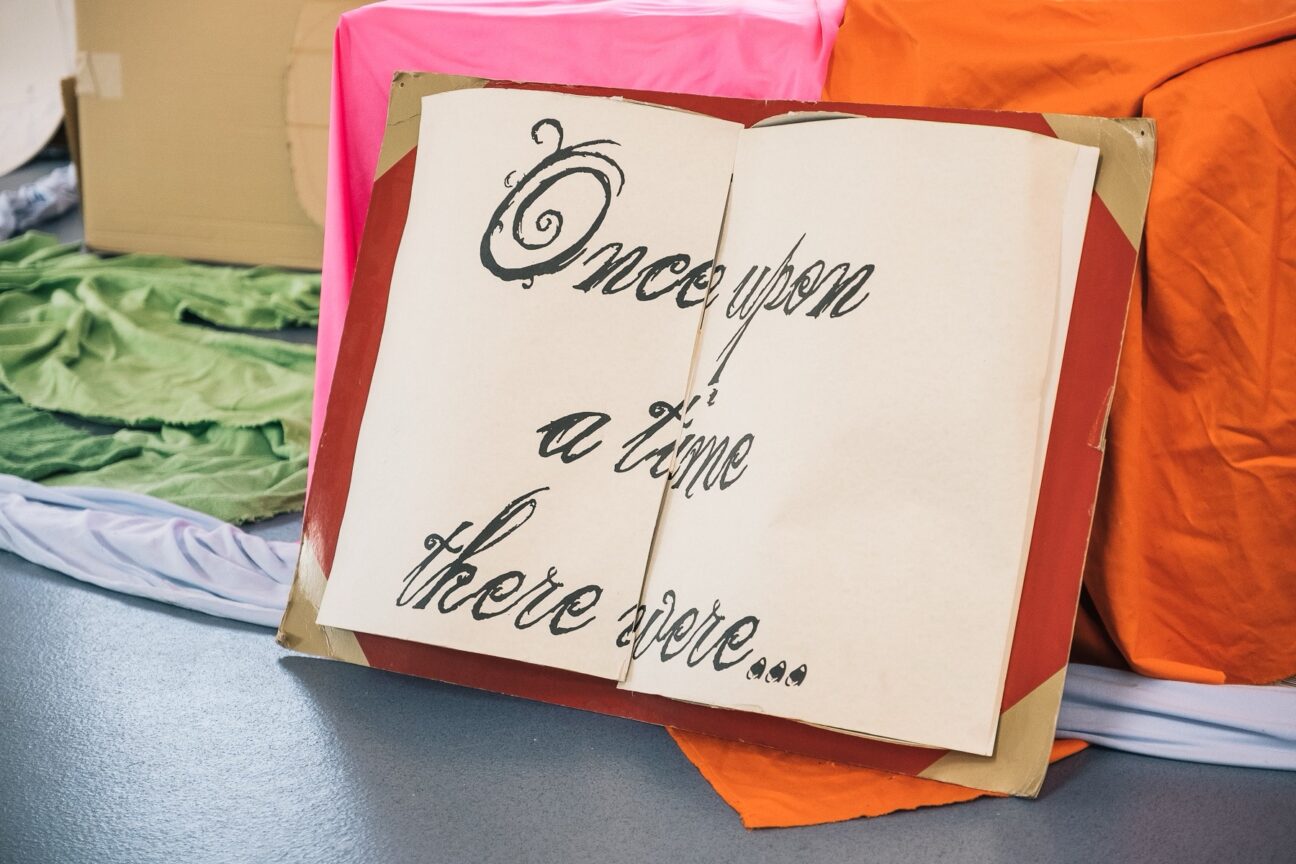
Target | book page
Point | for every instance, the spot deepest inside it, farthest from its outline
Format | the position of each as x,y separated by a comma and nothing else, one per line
849,514
546,295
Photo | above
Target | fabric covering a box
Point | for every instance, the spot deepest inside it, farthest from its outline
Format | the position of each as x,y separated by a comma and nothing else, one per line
761,49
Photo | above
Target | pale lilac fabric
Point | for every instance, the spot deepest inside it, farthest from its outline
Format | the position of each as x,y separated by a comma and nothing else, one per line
759,49
1218,724
147,547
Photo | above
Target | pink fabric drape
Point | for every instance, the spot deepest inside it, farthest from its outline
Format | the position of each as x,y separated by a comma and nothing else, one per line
764,49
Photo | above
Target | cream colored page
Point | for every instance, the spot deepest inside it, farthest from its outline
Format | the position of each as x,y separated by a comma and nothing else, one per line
478,517
1079,194
860,567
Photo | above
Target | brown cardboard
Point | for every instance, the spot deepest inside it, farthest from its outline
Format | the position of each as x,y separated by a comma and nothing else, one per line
71,126
184,127
308,83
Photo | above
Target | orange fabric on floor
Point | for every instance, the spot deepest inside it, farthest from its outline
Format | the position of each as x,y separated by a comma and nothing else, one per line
1193,561
771,789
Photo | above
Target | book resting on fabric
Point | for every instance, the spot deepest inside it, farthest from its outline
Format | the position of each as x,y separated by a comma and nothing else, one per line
751,417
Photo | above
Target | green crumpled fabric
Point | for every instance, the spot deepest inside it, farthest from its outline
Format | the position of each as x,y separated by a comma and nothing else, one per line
210,419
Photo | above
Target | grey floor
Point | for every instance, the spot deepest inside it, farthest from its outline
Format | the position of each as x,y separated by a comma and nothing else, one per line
136,732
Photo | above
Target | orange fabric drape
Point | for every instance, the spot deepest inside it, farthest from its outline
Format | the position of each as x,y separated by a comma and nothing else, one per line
1193,561
1098,57
1192,565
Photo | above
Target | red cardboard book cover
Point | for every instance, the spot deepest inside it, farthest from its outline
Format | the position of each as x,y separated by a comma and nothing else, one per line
1059,521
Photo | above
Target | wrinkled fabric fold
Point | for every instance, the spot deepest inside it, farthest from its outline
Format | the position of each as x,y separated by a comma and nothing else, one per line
146,547
1226,724
215,420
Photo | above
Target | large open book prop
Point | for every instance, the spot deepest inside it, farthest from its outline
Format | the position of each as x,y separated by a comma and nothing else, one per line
779,422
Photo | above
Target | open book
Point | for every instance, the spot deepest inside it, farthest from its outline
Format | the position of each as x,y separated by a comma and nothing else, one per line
747,417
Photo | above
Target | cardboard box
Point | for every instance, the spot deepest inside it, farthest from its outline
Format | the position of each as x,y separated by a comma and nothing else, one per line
203,126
